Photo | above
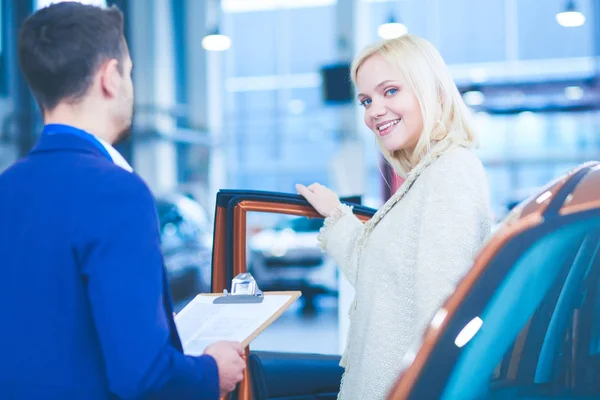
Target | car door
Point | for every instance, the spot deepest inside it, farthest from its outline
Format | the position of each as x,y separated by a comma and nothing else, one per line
525,322
270,375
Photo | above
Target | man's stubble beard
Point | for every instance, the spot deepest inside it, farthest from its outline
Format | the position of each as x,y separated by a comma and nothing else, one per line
125,132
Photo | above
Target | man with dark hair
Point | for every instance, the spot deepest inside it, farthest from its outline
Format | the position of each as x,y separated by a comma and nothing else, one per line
86,312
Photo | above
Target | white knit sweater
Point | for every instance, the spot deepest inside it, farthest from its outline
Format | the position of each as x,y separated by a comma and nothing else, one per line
405,261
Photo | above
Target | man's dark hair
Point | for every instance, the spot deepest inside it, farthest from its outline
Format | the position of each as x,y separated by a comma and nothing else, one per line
62,46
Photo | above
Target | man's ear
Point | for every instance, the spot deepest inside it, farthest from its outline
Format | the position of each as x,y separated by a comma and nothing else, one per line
110,78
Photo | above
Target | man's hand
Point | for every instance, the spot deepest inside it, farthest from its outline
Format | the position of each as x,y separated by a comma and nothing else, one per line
321,198
228,356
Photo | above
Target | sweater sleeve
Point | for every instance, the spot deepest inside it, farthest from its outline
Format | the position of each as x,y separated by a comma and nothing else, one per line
339,236
454,224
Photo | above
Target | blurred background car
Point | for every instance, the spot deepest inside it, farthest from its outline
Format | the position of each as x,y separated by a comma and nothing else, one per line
286,256
186,236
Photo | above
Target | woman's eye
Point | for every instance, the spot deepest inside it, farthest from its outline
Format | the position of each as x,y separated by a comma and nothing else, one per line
365,102
391,92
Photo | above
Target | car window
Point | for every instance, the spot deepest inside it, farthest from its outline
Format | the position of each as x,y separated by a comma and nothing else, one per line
539,335
283,254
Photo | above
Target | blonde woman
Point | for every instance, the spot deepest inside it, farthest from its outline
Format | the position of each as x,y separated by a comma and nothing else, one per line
408,258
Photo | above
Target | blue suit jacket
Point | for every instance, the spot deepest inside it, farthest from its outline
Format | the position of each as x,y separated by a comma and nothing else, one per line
85,307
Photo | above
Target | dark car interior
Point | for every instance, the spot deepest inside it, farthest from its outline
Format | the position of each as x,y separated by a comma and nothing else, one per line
279,376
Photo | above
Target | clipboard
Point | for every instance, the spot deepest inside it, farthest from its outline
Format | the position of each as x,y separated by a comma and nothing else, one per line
203,322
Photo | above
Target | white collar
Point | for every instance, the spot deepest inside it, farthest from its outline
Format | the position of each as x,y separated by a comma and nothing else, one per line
117,158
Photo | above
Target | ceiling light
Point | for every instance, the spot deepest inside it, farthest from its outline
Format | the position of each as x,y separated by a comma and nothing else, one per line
570,17
391,29
216,42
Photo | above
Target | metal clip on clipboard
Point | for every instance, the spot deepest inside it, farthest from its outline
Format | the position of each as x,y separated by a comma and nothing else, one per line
243,290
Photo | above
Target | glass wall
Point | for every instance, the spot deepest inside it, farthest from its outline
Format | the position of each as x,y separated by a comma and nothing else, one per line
281,132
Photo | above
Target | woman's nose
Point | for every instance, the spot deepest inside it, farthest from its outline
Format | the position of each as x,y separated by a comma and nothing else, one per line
377,110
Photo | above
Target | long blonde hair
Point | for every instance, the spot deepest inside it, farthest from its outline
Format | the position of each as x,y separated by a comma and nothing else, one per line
427,74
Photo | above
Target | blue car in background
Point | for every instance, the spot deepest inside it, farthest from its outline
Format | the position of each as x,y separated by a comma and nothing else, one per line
186,235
